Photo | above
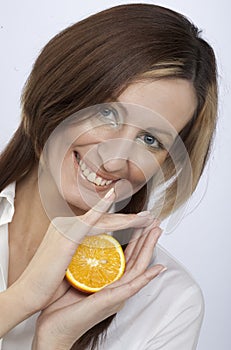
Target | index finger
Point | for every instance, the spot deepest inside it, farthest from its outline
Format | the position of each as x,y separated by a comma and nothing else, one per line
95,213
75,228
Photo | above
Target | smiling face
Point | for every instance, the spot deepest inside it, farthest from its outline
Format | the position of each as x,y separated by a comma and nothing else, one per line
128,139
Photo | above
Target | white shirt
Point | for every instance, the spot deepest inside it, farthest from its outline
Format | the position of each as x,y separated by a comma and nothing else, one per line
165,315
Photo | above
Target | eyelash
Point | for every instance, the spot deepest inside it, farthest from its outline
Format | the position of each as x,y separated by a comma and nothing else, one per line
159,145
115,113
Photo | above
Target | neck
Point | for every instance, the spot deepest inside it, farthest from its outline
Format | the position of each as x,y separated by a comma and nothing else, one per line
30,217
28,226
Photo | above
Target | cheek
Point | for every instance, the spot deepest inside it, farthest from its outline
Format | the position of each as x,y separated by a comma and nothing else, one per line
141,171
67,170
160,158
68,184
77,196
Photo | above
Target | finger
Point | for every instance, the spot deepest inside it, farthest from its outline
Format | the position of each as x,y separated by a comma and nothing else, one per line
95,213
75,228
139,263
114,222
137,241
108,301
153,271
83,315
140,260
121,292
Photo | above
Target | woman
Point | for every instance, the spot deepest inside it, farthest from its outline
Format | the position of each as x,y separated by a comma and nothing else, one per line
153,62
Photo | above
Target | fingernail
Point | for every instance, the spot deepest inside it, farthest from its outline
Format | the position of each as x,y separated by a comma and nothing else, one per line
164,269
109,193
144,213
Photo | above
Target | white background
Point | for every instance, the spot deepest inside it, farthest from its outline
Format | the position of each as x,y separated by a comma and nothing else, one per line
202,240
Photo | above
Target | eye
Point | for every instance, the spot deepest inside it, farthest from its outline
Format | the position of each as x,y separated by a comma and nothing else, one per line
109,115
151,141
106,112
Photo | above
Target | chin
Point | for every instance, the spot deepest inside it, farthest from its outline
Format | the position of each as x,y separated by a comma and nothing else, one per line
80,203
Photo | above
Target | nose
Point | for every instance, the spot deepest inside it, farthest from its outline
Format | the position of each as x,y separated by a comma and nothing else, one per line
115,154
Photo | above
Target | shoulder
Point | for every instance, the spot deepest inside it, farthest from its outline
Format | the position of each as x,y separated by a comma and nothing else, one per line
176,270
180,288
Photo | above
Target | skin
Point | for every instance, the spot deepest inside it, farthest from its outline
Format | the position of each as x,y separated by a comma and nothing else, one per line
35,280
118,153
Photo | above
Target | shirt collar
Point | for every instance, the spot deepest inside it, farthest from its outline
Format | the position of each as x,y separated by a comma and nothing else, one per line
7,204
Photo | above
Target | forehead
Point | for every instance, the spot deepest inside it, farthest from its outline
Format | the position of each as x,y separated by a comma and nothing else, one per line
173,99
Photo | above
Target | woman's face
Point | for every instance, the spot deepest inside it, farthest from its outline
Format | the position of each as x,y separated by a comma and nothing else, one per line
127,139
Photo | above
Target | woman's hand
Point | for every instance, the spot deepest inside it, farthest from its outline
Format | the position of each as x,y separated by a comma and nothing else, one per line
42,282
69,317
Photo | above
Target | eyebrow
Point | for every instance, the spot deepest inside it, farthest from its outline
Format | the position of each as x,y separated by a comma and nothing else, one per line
161,131
121,106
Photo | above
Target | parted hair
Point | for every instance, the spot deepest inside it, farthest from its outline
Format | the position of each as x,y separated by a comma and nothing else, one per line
94,61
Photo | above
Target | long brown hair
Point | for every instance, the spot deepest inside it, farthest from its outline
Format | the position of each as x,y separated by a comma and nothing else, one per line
94,61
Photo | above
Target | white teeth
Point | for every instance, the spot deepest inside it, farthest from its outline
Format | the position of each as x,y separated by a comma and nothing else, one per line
91,176
98,181
86,172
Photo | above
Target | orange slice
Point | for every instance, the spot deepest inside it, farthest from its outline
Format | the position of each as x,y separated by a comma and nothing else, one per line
98,261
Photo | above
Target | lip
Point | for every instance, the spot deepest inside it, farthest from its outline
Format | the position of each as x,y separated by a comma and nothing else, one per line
90,185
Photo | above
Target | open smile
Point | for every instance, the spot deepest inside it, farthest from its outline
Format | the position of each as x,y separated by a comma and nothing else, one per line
89,175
